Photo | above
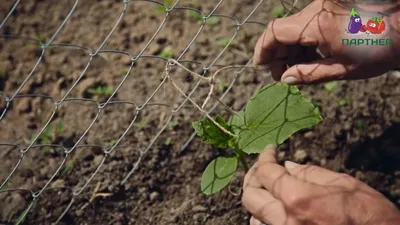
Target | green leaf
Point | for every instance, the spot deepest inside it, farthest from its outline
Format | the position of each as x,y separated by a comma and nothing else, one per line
354,13
108,90
195,15
273,115
60,126
160,9
68,168
218,174
173,124
278,11
167,52
237,122
331,86
212,20
222,85
376,19
167,4
345,101
211,133
168,141
225,42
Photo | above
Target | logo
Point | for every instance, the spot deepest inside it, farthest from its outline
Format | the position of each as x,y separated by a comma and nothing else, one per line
373,26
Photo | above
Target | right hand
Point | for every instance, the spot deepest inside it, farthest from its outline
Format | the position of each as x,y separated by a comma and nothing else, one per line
321,25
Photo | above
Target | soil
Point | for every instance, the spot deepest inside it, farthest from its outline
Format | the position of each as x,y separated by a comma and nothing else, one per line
358,135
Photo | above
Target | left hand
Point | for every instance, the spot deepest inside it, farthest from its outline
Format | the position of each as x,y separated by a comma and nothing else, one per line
304,195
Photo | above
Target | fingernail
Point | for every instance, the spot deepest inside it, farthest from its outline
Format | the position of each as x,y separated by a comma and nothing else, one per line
290,80
291,165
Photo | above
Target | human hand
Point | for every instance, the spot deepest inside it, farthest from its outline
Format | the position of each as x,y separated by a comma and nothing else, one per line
321,26
310,195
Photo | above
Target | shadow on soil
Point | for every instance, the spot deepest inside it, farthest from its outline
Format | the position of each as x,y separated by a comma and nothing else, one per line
378,154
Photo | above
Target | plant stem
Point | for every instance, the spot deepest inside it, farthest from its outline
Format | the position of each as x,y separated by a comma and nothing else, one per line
242,159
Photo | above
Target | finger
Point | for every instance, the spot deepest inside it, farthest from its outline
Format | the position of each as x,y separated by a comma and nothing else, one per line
273,176
318,71
268,155
281,33
318,175
250,179
262,205
254,221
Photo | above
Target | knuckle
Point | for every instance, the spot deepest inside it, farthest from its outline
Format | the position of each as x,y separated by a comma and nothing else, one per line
261,171
295,200
348,181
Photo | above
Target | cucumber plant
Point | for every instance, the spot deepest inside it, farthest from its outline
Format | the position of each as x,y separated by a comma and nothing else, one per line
275,113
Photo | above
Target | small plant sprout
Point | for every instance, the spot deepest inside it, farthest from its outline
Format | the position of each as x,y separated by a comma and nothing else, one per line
331,86
173,124
100,91
225,42
168,141
49,134
167,4
111,143
68,167
41,38
278,11
275,113
345,101
212,20
167,52
123,72
142,123
222,85
23,215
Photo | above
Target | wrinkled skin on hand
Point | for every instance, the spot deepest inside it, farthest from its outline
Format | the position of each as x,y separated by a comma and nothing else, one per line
321,26
310,195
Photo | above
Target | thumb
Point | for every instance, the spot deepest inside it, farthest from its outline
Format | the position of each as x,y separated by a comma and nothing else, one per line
318,71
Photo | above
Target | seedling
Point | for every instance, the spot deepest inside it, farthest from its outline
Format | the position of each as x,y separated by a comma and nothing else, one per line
49,134
100,91
167,52
24,214
123,72
168,141
275,113
222,85
212,20
173,124
68,167
225,42
345,101
167,4
142,123
331,86
278,11
41,38
111,143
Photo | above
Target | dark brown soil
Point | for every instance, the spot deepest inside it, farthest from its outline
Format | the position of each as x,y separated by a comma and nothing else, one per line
359,134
